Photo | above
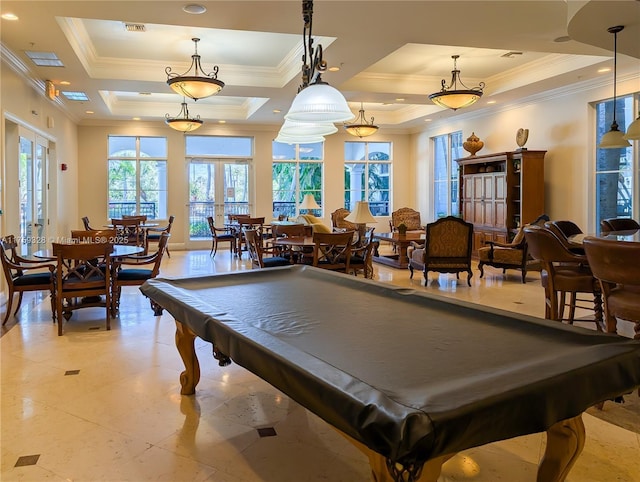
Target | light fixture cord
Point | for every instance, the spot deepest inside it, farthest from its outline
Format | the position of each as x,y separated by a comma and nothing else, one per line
615,72
312,62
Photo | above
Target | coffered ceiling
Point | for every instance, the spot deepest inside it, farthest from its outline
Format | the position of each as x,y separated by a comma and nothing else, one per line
391,54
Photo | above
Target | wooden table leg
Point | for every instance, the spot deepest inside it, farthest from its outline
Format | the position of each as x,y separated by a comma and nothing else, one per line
380,473
565,441
185,341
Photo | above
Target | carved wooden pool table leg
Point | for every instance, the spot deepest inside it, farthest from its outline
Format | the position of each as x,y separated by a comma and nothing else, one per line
380,473
565,441
190,377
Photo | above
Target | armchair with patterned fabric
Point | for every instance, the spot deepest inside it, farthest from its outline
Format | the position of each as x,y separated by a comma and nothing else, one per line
338,222
407,216
513,255
447,248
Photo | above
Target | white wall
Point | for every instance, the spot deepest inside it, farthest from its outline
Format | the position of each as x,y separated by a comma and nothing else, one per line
563,124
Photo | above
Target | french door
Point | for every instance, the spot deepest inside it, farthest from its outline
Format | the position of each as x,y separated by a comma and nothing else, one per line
217,188
32,191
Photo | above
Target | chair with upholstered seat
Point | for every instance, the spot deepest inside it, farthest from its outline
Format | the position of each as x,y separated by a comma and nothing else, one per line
513,255
80,281
362,255
338,221
447,248
134,270
563,230
564,272
618,224
616,265
332,251
23,275
221,235
407,216
256,224
154,233
255,247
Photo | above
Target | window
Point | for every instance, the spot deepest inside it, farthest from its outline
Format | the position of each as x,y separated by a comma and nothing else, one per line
446,149
367,176
297,170
137,176
617,171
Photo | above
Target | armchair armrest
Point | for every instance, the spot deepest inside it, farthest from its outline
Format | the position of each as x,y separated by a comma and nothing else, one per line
136,260
33,264
416,245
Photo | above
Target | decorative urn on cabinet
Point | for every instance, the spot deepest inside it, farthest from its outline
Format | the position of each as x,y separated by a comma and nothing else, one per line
473,144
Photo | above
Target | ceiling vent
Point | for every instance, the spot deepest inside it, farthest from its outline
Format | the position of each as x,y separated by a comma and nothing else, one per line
510,55
135,27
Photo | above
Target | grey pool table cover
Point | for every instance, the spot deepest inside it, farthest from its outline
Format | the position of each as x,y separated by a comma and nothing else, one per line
410,375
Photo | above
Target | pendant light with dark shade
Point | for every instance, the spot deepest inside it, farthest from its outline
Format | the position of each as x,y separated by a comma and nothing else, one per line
614,139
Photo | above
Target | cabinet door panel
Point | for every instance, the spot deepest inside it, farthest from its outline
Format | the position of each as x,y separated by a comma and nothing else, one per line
487,186
500,214
500,187
488,215
478,211
467,190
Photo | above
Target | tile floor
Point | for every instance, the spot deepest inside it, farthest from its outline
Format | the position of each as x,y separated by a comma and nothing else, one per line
96,405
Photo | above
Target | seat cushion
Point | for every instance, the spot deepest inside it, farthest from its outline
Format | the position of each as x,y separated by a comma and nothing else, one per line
275,261
134,274
501,255
33,279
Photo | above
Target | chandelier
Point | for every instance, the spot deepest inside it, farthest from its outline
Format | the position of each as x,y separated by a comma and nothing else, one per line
182,122
360,127
316,100
195,86
451,97
614,139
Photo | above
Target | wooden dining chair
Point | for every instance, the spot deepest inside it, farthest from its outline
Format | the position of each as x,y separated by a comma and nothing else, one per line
362,255
245,223
134,270
85,222
563,273
221,235
154,233
129,231
255,248
616,264
332,251
23,274
81,282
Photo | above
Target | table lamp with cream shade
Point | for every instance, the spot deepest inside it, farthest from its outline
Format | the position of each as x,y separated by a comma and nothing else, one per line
361,215
309,203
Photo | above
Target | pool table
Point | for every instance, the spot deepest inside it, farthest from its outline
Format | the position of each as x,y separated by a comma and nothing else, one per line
411,379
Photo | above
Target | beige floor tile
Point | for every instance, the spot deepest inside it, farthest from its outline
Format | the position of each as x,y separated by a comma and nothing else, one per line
122,418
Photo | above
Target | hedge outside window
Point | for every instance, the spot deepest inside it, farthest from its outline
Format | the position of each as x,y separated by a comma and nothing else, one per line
137,176
367,176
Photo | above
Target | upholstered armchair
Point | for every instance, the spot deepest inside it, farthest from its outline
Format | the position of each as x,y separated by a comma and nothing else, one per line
447,248
338,222
513,255
407,216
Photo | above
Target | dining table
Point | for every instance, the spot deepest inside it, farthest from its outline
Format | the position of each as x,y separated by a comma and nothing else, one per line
299,247
119,250
627,236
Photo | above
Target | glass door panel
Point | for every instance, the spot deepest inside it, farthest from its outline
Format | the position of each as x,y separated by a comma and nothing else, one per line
216,188
32,193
